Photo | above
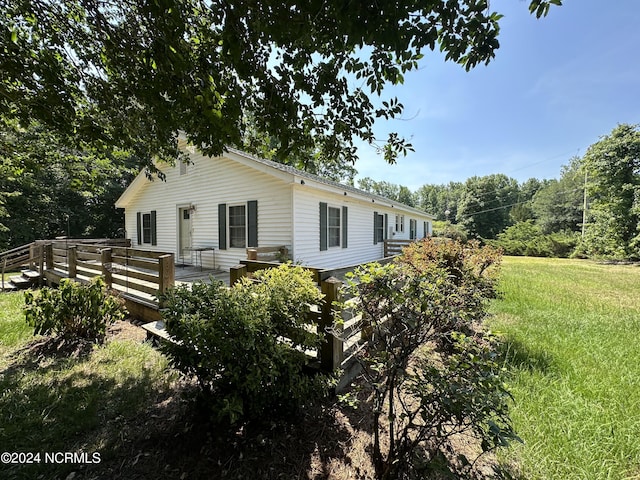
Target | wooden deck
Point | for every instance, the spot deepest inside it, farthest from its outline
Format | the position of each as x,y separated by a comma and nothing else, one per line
190,274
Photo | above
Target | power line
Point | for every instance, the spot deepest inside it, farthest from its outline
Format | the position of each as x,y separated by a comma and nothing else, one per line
516,203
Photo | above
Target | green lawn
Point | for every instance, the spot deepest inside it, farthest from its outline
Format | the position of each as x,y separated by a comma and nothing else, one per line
572,342
54,403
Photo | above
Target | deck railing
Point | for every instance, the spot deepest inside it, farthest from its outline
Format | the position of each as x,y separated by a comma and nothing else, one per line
137,273
394,247
32,255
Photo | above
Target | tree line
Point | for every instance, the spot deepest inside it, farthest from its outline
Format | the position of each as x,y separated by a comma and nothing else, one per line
544,217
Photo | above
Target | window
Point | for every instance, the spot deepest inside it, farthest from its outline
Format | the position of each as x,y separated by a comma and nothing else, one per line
379,227
146,228
334,227
399,223
183,167
413,227
237,227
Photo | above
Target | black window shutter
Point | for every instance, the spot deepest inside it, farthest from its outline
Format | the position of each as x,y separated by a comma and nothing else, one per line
154,237
139,227
323,226
375,228
222,226
345,234
252,223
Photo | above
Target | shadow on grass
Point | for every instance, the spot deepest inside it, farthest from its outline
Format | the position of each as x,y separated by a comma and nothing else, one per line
142,429
52,402
513,353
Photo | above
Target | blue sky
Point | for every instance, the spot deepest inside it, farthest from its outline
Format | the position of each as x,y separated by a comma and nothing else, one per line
555,86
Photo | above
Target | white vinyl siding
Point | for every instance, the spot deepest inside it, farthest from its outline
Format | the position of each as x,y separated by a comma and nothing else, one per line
284,202
212,181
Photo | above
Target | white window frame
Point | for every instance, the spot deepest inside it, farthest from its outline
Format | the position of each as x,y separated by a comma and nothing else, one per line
144,229
334,227
245,226
380,228
399,223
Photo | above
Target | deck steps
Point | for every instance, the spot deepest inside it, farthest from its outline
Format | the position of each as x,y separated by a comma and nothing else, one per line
26,279
156,331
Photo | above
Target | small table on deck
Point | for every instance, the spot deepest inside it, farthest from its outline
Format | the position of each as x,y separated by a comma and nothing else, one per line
198,251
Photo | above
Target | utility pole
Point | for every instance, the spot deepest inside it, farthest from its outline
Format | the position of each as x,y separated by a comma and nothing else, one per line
584,205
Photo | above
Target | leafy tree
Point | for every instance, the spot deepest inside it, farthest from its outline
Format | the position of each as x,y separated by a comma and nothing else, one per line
50,189
485,204
558,205
522,210
440,200
450,230
613,168
134,73
400,193
311,160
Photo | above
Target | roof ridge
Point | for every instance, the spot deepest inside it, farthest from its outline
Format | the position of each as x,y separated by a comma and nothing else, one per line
311,176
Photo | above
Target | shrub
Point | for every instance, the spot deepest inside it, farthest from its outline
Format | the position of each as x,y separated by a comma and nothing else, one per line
73,310
240,342
428,362
527,238
450,230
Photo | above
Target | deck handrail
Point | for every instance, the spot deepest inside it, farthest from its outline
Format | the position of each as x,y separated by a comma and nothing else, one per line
16,257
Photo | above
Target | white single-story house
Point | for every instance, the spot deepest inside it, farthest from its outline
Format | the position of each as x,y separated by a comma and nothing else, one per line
224,205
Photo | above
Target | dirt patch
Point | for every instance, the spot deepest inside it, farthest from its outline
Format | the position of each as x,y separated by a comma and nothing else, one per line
127,329
173,439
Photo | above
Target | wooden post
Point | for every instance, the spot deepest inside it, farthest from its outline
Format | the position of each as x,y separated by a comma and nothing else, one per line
40,251
166,274
105,260
48,254
236,273
32,255
72,258
331,351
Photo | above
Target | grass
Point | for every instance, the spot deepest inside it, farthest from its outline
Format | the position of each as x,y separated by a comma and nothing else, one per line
58,403
571,331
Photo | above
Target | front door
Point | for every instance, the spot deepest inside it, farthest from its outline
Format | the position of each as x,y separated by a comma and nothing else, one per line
184,229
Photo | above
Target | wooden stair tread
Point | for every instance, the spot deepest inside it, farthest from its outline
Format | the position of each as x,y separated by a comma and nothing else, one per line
20,281
8,287
30,274
157,329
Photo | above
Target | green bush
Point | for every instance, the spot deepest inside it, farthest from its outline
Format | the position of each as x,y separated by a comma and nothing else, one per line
240,342
429,363
73,310
527,238
450,230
